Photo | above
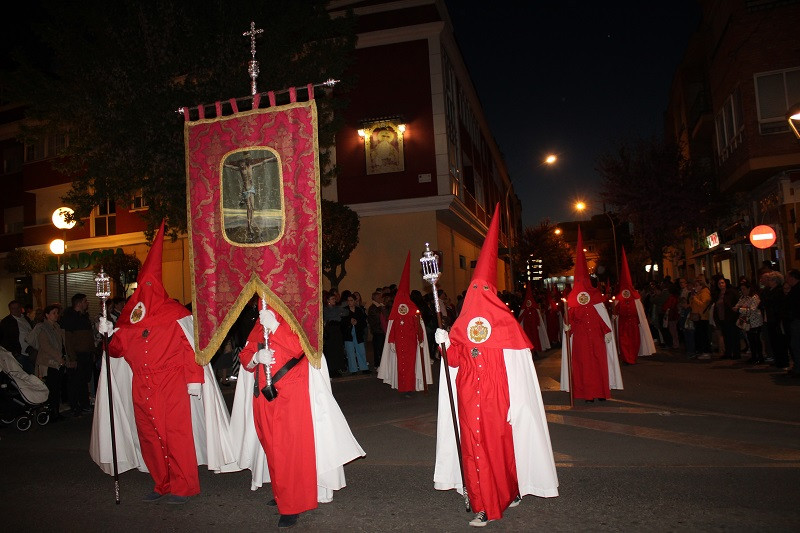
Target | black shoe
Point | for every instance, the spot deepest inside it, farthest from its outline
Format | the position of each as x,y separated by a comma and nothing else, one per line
366,372
174,499
152,497
287,520
272,503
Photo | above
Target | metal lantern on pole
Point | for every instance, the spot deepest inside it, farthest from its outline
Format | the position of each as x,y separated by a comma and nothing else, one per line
103,284
430,273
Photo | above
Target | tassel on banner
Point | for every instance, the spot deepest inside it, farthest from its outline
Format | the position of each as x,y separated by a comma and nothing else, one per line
255,99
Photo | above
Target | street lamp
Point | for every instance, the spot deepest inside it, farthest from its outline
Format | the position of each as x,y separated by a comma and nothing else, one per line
580,206
793,118
549,160
57,246
63,219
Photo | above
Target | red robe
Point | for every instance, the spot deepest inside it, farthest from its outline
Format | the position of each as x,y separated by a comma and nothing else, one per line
162,361
284,425
529,318
406,335
629,338
487,444
589,356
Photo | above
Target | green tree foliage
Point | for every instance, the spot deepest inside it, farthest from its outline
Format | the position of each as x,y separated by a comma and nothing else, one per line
121,268
25,261
651,184
112,76
541,242
340,227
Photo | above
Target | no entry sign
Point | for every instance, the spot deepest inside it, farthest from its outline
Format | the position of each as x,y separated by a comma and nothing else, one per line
762,236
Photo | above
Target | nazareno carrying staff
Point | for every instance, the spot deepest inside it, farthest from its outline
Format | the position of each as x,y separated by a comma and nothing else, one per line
505,441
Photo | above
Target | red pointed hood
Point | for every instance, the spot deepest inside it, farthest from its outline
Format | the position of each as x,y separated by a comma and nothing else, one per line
485,321
403,296
529,303
150,304
582,292
625,283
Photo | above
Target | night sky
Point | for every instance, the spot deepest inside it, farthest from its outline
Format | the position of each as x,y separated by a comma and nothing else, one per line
573,78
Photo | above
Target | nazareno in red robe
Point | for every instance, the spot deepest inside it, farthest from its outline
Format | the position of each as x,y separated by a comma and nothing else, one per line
162,361
629,338
589,356
284,425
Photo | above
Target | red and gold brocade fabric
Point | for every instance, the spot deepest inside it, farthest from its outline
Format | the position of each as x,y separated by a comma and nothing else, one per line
254,221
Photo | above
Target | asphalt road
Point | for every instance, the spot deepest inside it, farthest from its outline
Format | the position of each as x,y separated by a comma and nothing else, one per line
687,446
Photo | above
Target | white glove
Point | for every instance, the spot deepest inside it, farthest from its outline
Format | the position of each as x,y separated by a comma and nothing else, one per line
268,320
264,356
104,326
195,389
608,338
567,327
442,337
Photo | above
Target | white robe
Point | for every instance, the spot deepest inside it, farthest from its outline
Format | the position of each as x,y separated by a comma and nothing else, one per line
541,328
210,421
334,443
388,369
612,356
646,344
533,453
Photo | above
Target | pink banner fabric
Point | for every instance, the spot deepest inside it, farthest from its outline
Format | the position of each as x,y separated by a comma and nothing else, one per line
254,221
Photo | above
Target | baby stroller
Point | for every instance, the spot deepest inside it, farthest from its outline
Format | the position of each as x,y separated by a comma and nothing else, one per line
23,397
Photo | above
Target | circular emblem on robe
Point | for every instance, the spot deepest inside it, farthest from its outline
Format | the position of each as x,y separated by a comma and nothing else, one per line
402,309
528,303
138,313
584,298
626,293
479,330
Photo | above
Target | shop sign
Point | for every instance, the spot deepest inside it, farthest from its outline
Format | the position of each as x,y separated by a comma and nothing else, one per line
712,240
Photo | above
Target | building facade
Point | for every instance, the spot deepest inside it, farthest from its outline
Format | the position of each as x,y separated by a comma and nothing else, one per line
416,161
740,74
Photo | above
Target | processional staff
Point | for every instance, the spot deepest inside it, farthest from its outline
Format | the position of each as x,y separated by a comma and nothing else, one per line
568,345
103,283
430,273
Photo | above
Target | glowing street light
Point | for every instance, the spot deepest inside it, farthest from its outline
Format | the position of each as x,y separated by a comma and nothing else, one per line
793,117
581,206
557,231
63,219
550,159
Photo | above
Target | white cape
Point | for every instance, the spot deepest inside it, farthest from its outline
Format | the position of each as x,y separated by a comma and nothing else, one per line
541,328
533,453
334,443
210,421
388,369
646,344
612,357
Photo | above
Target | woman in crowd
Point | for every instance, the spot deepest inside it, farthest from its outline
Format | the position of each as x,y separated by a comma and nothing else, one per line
700,302
725,297
332,340
354,324
749,309
47,338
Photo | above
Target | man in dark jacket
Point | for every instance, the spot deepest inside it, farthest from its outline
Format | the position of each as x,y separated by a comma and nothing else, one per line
13,330
79,336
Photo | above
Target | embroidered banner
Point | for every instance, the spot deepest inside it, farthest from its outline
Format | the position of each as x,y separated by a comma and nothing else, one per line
254,220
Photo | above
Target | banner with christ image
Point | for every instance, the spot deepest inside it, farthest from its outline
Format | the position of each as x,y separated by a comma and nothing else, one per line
254,220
